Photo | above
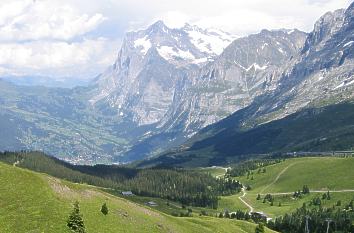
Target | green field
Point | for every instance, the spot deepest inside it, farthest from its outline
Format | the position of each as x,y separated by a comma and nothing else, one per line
231,203
34,202
214,171
170,207
320,174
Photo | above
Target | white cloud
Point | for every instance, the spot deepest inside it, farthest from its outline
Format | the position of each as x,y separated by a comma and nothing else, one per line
244,17
28,20
50,38
59,58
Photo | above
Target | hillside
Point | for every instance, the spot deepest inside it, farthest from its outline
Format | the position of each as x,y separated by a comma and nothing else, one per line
316,129
322,173
281,180
24,210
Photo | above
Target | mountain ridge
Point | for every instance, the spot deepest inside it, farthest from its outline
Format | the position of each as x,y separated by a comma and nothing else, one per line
320,75
154,97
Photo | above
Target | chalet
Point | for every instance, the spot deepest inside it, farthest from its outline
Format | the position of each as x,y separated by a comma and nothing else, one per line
260,216
127,193
151,203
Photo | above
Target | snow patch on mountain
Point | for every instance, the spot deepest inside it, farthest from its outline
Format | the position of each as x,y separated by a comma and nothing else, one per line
348,43
264,45
200,60
170,53
256,67
344,84
281,50
210,41
143,44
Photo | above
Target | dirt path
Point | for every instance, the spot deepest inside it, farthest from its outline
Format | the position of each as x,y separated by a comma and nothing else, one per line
273,182
277,178
317,191
244,202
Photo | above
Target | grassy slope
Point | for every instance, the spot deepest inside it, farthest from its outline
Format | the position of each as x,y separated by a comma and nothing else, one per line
318,173
321,173
214,171
33,202
172,207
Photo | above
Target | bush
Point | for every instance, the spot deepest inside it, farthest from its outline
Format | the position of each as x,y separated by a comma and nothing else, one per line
260,228
104,209
204,213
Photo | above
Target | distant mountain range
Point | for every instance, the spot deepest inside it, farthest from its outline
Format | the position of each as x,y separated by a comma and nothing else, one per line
167,84
67,82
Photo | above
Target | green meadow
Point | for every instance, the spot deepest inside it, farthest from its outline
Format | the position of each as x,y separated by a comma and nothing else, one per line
35,202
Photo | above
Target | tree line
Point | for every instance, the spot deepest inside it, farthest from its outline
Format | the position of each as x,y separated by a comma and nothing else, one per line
189,187
245,167
317,220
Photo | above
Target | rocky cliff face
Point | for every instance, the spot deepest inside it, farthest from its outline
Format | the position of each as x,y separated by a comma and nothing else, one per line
231,82
152,68
321,74
181,80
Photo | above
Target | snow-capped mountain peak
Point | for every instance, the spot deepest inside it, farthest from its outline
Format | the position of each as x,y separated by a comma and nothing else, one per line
187,45
151,67
211,41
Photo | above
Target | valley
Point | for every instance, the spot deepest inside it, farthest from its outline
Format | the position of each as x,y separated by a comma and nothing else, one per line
175,88
186,128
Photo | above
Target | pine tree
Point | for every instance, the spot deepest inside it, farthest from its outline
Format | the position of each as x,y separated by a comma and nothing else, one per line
324,196
104,209
227,214
247,216
258,197
351,204
75,221
305,189
260,228
328,196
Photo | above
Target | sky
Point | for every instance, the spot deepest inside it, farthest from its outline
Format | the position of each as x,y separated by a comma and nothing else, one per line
78,39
